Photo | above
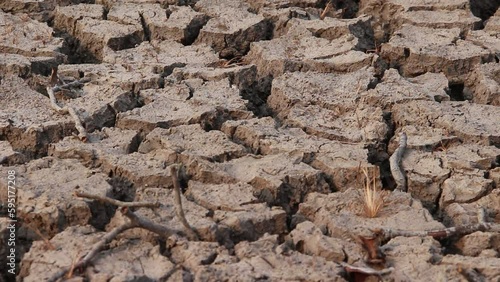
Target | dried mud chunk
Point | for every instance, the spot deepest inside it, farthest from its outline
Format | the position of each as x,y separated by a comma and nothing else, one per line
96,35
183,25
208,103
336,92
142,170
415,258
133,14
194,254
113,75
12,64
441,51
133,260
241,76
70,243
99,105
280,179
485,41
495,176
361,124
279,4
40,10
307,53
485,267
225,197
458,214
424,138
192,140
425,174
28,121
342,213
332,28
415,5
8,156
232,206
161,57
340,162
395,89
52,210
484,83
279,18
259,260
65,18
492,25
464,189
474,244
23,36
312,241
471,157
387,15
232,29
108,141
473,123
461,19
253,222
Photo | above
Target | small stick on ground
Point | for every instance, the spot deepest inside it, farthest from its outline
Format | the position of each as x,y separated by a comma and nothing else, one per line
53,87
95,249
178,203
366,270
395,162
135,222
328,8
116,202
73,84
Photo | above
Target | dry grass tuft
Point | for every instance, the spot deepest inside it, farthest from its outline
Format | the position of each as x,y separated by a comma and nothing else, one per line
373,197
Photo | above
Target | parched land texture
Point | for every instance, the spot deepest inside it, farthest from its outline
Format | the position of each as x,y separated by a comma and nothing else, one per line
274,117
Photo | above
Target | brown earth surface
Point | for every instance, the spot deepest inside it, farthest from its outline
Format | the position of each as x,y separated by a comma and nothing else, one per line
274,110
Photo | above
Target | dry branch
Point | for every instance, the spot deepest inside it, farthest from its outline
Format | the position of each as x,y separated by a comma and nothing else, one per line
106,239
147,224
69,85
395,161
366,270
178,203
135,222
53,87
328,8
82,133
116,202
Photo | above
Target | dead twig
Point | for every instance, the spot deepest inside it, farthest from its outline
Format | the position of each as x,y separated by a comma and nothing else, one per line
395,161
135,222
162,230
472,275
69,85
47,242
178,203
366,270
117,203
328,8
106,239
53,87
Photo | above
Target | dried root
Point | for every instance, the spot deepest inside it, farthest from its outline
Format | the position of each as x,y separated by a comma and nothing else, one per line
54,87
